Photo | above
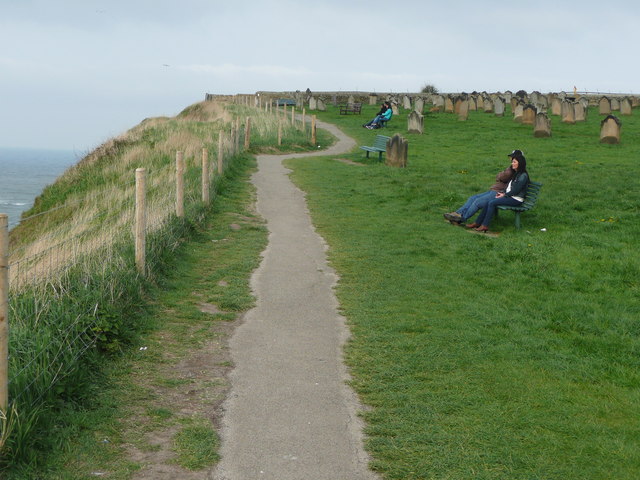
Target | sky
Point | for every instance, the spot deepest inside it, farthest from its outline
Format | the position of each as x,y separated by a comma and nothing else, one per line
74,73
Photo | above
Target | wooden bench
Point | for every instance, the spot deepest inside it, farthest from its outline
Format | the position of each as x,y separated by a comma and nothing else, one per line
379,145
530,199
288,102
350,108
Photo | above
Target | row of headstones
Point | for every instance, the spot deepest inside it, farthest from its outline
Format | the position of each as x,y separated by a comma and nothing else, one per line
528,115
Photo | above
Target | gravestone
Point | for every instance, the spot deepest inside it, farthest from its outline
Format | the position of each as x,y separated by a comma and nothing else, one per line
604,106
518,112
529,114
397,149
373,99
487,104
556,106
568,112
507,96
415,122
419,106
480,102
394,108
579,112
584,101
625,106
610,130
473,103
334,100
463,110
615,104
320,105
313,103
438,102
351,100
542,126
498,107
448,104
406,102
514,103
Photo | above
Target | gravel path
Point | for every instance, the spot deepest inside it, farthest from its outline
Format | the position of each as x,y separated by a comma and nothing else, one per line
290,414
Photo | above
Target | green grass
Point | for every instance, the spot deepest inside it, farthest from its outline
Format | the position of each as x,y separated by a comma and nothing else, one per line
489,358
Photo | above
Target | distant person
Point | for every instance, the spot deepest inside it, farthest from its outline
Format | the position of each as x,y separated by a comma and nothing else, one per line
513,196
384,115
479,200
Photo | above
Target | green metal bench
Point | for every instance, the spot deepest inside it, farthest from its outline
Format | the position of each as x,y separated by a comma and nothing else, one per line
530,199
379,145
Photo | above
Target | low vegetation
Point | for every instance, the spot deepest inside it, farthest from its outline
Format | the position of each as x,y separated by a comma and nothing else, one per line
77,300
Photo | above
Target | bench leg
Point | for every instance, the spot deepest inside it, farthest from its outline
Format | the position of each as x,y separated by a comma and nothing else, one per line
517,219
367,153
379,156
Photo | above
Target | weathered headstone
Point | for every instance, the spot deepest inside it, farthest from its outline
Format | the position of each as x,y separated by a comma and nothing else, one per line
448,104
529,114
394,108
610,130
615,104
463,110
579,112
351,100
487,103
604,106
480,102
438,102
397,149
406,102
498,107
415,122
373,99
518,111
419,106
507,96
542,126
313,103
320,105
625,106
568,112
556,106
473,103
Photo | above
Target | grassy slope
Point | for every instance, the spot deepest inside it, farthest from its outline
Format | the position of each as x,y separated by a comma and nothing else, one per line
508,357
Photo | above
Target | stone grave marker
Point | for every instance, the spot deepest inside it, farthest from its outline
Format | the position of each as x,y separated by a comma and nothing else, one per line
397,149
625,106
487,104
604,106
556,106
579,112
542,126
415,122
373,99
463,110
610,130
518,112
568,112
419,105
313,103
498,107
529,114
320,105
615,104
406,102
448,104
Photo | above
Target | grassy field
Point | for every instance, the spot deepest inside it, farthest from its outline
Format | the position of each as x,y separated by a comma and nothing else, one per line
507,357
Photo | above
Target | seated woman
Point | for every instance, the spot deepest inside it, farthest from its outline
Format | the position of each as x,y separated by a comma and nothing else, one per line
513,195
384,115
479,200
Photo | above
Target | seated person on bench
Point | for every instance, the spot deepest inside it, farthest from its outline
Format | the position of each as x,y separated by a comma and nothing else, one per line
384,115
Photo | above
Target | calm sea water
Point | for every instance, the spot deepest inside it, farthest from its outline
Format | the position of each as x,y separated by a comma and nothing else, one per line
23,175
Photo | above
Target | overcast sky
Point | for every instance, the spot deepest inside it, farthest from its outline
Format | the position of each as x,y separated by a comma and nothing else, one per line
74,73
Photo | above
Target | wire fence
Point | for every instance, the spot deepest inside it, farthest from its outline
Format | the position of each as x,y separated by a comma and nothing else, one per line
56,282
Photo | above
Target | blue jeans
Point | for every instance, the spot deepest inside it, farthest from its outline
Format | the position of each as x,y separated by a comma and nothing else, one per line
475,203
375,120
489,210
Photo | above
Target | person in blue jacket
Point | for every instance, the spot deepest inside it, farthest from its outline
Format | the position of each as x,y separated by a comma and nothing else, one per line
384,115
513,195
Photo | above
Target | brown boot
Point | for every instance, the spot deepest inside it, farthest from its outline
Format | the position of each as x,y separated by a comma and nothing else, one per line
472,225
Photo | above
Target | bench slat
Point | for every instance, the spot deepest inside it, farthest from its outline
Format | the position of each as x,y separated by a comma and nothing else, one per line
530,199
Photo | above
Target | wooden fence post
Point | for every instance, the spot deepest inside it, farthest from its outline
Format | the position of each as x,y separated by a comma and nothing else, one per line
247,133
4,312
304,119
179,184
220,152
279,132
313,130
141,220
205,176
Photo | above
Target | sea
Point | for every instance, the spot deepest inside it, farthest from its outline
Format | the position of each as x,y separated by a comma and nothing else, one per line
25,172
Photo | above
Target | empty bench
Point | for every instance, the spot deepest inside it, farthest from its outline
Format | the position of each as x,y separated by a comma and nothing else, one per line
379,145
530,199
350,108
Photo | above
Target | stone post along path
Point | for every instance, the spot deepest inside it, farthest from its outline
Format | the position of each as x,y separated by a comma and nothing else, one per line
290,414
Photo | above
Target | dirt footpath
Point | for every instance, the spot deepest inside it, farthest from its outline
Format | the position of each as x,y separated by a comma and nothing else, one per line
290,414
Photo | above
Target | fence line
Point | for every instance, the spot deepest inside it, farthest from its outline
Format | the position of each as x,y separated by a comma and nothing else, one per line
82,239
